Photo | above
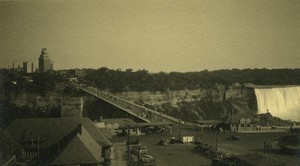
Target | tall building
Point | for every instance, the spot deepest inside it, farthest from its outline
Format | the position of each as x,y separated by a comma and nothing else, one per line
44,62
27,67
32,67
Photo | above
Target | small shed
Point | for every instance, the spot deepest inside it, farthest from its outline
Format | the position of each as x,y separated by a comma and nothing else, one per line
240,123
121,126
187,139
207,124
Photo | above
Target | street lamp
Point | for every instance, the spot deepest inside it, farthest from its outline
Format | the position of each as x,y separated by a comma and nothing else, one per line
127,142
179,130
216,140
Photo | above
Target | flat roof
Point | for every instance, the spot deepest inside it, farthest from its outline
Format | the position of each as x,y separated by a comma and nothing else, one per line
208,121
155,124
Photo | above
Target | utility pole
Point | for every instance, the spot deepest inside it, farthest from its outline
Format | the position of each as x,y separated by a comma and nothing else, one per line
179,130
128,150
58,153
217,140
12,147
231,120
38,147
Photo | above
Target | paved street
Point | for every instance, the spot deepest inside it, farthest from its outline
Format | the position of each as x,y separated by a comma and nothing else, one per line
117,154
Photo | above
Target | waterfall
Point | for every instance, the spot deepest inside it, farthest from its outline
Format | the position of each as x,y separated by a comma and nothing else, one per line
282,102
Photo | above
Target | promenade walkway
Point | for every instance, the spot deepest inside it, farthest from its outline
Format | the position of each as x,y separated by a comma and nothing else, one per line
141,112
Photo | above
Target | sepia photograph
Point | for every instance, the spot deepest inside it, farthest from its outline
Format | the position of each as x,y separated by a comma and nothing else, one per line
149,82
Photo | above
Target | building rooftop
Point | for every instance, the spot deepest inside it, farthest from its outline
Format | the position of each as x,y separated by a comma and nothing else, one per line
106,132
208,121
235,118
155,124
78,153
48,131
123,122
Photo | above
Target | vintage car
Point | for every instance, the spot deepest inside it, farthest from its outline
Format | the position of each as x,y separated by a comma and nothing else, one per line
147,158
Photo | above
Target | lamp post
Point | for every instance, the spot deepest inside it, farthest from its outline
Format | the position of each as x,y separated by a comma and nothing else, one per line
128,151
179,130
217,140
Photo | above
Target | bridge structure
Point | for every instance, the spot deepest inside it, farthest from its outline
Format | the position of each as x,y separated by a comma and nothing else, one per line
145,114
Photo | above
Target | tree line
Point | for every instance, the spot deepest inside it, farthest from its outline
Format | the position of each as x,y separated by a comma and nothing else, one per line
141,80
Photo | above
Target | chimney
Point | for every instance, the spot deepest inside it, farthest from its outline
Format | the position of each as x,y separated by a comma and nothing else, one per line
80,129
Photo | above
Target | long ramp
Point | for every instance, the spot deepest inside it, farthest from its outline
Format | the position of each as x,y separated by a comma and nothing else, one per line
141,112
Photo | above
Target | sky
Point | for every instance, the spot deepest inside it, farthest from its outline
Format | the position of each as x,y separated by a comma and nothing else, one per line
156,35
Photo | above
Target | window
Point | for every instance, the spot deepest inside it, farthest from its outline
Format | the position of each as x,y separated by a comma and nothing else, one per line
248,124
242,124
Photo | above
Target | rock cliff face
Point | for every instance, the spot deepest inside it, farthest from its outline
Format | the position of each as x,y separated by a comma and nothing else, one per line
36,105
198,102
218,94
173,97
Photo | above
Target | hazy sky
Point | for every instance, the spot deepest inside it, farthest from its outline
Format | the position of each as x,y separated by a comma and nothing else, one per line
157,35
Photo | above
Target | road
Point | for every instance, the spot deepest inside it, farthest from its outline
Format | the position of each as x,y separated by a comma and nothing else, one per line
172,154
182,154
117,154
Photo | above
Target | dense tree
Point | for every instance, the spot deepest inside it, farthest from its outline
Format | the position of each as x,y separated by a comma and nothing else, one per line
142,80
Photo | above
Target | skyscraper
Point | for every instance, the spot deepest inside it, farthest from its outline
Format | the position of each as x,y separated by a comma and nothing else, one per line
25,67
44,62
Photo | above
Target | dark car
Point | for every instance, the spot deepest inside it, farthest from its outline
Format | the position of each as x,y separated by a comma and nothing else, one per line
163,142
233,138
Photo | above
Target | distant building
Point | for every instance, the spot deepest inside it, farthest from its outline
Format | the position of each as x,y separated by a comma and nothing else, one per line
120,126
207,124
238,123
28,68
78,73
44,61
55,141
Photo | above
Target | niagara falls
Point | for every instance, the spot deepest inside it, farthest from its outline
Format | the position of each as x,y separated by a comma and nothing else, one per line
282,102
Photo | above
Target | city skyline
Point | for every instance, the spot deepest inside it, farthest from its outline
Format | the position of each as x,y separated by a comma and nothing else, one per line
153,35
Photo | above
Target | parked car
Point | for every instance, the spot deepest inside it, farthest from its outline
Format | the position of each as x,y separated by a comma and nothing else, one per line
163,142
147,158
138,149
233,138
173,140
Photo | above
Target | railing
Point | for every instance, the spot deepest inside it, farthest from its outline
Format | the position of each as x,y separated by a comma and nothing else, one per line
11,161
129,107
114,101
